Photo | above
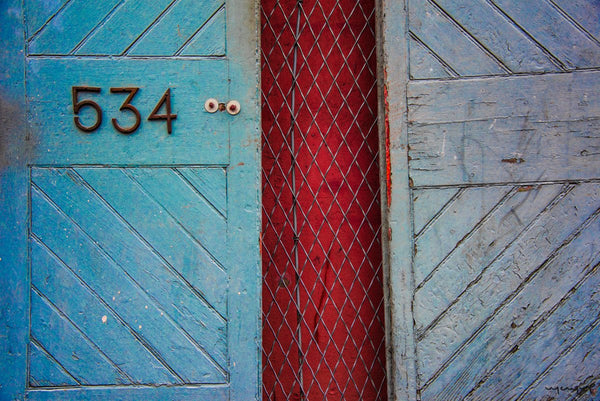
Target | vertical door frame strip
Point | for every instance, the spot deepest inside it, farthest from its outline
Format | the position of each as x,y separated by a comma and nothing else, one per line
14,178
397,241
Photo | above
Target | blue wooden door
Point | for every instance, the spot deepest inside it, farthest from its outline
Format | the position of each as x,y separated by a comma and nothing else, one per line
494,163
129,187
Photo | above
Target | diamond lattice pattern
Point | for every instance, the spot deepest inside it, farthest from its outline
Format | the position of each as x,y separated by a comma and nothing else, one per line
323,333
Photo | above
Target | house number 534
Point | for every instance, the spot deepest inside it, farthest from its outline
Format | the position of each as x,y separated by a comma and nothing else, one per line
126,106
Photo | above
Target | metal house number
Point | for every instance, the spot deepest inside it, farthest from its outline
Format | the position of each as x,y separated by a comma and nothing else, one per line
126,106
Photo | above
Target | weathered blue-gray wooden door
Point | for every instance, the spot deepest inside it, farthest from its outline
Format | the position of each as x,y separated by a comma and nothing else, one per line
130,249
493,121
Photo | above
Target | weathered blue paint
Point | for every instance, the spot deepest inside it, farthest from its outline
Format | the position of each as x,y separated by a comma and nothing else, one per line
131,266
494,255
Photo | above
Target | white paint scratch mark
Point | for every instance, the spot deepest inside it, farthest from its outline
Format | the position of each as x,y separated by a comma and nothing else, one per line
444,144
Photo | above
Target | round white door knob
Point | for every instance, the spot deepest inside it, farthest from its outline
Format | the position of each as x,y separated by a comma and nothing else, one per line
211,105
233,107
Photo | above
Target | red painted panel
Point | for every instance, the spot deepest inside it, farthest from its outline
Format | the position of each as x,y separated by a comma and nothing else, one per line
323,331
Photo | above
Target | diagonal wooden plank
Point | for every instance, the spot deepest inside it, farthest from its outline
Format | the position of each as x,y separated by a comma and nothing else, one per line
98,321
163,234
39,13
190,315
69,27
98,265
175,27
100,23
438,239
45,371
531,303
210,38
448,41
542,21
429,205
122,28
504,275
576,373
574,22
144,274
69,347
541,348
585,12
498,35
198,192
424,63
184,204
210,182
477,251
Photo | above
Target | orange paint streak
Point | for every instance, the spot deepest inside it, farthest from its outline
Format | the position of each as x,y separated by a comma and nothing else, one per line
388,164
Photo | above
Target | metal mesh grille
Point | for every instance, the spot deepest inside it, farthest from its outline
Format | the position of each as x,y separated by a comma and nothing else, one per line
323,331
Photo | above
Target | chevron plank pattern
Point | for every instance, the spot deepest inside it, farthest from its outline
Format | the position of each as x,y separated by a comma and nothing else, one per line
126,27
127,285
506,304
458,38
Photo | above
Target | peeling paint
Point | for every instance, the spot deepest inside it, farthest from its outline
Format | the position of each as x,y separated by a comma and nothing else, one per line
514,160
388,165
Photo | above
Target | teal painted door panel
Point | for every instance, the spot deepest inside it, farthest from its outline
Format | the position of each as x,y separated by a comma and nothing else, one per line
130,230
494,257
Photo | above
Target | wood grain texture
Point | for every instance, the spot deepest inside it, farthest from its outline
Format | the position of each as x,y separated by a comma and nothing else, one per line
540,241
149,286
449,42
449,227
498,35
554,31
189,16
45,371
76,353
68,26
571,320
582,12
521,129
477,249
519,36
96,318
425,64
429,204
574,373
121,28
500,335
171,239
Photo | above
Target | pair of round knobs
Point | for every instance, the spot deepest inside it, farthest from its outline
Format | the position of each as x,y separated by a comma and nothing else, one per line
232,107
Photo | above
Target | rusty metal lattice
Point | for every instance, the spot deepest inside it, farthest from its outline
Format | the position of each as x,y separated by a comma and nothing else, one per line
323,322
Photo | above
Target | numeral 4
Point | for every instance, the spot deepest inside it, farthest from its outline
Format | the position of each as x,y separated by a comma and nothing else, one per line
166,100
